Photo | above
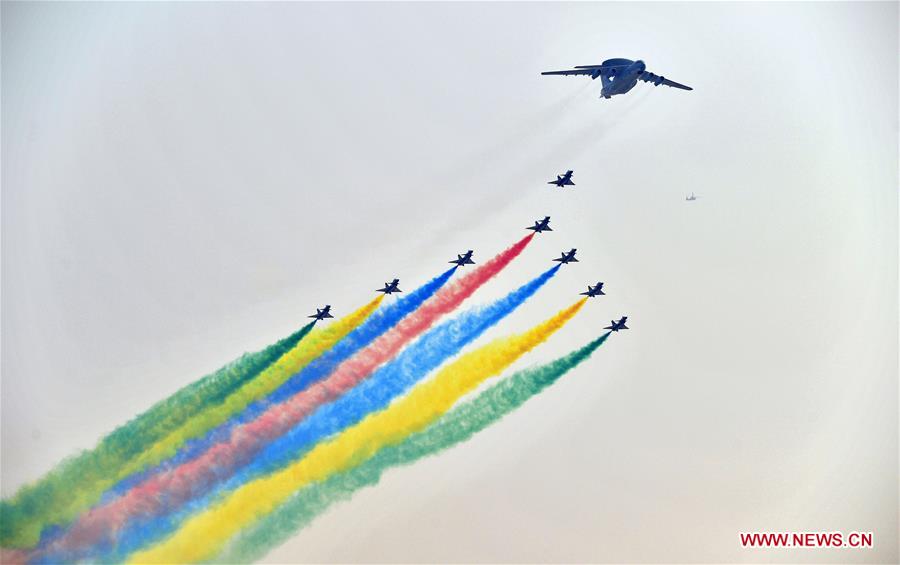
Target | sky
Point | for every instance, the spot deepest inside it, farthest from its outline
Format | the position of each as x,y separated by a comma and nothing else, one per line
182,183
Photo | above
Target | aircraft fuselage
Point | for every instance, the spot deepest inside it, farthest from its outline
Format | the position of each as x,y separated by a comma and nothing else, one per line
623,80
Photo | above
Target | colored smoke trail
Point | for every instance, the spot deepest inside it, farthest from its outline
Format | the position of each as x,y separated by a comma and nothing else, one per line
441,303
204,535
57,496
82,494
13,556
163,490
379,322
197,478
390,381
263,385
467,288
456,427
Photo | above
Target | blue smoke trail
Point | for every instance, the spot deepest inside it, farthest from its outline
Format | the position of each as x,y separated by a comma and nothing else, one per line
375,393
378,323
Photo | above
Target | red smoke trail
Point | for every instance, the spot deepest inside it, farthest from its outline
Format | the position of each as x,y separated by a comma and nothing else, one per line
166,492
13,556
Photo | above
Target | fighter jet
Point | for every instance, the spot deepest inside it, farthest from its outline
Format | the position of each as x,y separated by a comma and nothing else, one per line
563,180
593,291
465,259
322,313
390,288
543,225
567,257
618,76
691,197
616,326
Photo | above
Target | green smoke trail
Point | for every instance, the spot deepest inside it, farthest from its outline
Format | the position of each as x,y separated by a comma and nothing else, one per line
455,427
126,441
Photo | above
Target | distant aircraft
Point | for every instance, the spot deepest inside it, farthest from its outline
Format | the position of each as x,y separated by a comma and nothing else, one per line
390,288
322,313
594,290
616,326
563,180
691,197
567,257
618,76
465,259
543,225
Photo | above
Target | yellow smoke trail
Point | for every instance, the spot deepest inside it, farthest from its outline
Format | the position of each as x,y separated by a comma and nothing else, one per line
202,536
316,343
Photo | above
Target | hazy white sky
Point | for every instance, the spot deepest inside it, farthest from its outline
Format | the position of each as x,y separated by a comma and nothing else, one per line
184,182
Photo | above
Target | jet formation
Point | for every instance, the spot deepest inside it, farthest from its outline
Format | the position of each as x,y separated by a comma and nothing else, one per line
619,76
463,259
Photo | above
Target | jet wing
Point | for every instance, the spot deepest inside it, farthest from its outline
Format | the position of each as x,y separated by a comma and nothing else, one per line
603,66
658,80
588,72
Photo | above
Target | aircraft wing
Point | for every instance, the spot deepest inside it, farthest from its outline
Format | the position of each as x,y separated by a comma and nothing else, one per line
588,72
602,66
657,80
